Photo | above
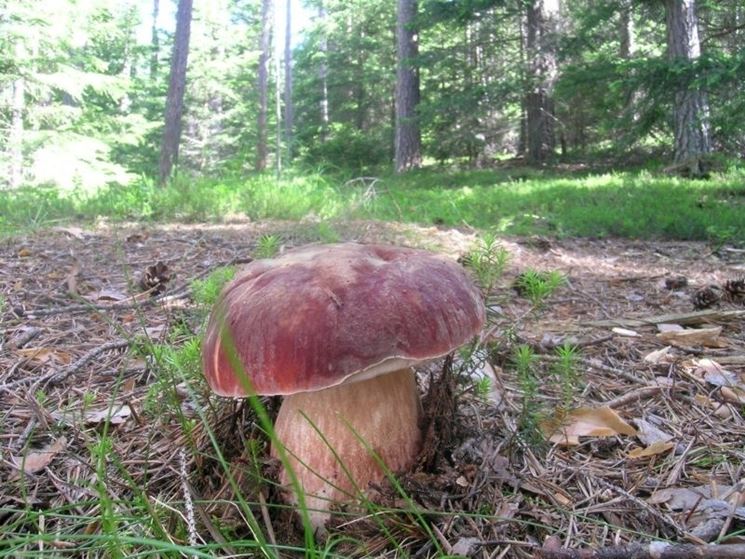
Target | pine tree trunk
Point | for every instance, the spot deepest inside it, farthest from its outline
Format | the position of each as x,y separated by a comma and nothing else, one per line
263,85
691,107
323,74
626,31
289,109
154,41
15,137
176,86
541,78
408,137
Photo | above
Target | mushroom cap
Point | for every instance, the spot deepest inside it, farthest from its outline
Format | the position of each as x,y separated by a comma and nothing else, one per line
321,315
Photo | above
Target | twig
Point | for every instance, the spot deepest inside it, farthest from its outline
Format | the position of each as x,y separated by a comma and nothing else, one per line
55,377
664,518
653,550
188,504
633,396
696,317
133,302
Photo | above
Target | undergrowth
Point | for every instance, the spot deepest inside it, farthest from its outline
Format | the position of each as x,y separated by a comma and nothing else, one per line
506,201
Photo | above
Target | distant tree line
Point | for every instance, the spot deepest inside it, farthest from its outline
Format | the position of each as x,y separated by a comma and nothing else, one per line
370,84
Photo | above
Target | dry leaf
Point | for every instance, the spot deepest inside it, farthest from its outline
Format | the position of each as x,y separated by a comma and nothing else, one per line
658,356
76,232
722,411
652,450
707,337
114,417
713,373
685,498
733,394
587,422
24,252
40,459
43,355
649,434
664,327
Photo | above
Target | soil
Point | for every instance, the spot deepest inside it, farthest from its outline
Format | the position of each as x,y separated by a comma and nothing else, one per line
664,458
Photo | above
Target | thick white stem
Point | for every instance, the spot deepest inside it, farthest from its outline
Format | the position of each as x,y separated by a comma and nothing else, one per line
383,411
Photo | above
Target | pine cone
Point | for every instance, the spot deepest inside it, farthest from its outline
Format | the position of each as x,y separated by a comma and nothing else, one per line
155,278
707,296
735,290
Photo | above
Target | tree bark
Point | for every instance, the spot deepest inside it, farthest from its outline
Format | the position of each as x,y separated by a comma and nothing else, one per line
176,86
289,109
263,84
408,137
691,106
323,73
542,71
626,31
154,41
15,136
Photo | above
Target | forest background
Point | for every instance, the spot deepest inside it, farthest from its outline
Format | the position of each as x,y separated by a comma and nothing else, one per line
579,86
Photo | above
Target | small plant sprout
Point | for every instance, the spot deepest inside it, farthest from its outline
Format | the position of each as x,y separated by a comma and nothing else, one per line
538,286
567,373
267,246
524,360
487,261
205,291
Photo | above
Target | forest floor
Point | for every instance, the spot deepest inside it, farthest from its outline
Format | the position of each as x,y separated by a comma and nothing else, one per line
95,459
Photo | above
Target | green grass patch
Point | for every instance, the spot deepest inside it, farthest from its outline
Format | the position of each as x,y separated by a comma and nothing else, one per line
508,201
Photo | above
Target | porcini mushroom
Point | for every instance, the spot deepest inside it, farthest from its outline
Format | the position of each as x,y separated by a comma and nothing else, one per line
336,329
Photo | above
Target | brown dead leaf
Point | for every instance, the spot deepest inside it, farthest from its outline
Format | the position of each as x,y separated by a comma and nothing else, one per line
707,337
44,355
587,422
659,356
733,394
114,417
722,411
652,450
24,252
38,460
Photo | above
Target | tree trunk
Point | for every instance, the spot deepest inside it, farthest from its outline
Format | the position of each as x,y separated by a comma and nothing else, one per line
278,114
176,86
263,84
15,136
323,75
154,41
541,78
408,137
691,107
289,109
626,31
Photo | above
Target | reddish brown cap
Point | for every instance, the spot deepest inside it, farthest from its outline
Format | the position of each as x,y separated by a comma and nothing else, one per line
316,316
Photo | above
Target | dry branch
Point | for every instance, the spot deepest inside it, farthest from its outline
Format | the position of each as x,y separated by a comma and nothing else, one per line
696,317
653,550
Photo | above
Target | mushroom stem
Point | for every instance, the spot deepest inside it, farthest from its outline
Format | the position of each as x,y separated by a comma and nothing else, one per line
384,411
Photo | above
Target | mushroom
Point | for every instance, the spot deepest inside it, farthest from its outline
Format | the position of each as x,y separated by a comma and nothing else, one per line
336,330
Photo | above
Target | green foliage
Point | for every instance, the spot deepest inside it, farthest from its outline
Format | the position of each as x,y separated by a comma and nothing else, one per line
538,286
349,149
510,201
175,365
487,261
267,246
206,291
